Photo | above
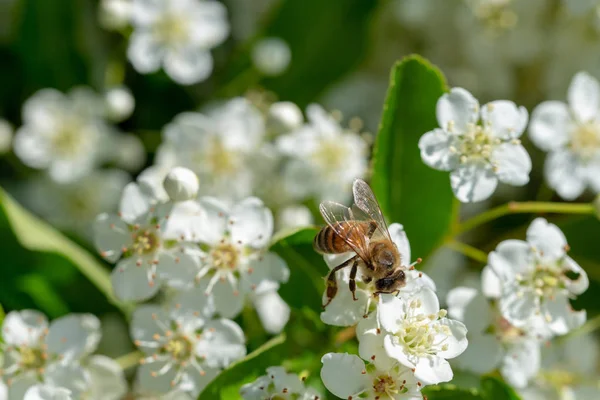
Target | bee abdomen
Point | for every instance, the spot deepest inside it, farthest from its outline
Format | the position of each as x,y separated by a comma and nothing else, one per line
329,242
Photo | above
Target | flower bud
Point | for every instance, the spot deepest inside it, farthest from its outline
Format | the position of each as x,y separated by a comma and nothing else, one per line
119,103
271,56
284,116
181,184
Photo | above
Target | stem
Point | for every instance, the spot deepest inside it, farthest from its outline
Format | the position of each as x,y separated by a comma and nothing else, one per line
130,359
468,251
520,208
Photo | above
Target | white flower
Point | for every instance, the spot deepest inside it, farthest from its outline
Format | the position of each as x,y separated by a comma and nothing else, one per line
235,262
119,103
63,134
478,155
413,331
325,158
140,241
277,384
571,134
294,216
271,56
73,206
343,309
514,351
177,34
47,392
181,184
55,354
219,146
538,278
185,349
346,376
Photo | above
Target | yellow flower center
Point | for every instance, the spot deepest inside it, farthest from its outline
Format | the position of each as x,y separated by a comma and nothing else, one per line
385,386
180,348
225,256
585,140
221,160
67,142
32,358
171,29
144,242
330,155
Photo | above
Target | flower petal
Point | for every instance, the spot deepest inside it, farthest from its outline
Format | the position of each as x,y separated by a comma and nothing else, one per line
550,125
436,150
561,318
70,376
107,378
370,348
456,109
549,241
144,52
134,202
473,182
272,311
584,96
132,283
479,344
188,65
343,310
149,380
251,223
74,335
579,284
510,258
111,234
342,374
491,286
24,328
458,299
177,270
269,268
431,370
398,235
47,392
505,118
227,299
215,220
391,312
512,164
518,307
456,341
565,174
221,343
521,363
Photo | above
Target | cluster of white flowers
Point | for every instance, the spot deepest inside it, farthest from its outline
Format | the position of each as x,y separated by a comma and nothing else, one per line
523,302
43,360
405,340
68,136
237,151
278,384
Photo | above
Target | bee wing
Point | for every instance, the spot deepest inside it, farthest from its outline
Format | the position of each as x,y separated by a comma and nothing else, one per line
366,202
343,221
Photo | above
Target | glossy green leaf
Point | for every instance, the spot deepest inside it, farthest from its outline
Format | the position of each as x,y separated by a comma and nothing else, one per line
410,192
493,388
228,383
451,392
36,235
307,269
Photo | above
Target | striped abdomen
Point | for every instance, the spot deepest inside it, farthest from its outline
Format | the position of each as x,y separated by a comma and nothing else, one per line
334,241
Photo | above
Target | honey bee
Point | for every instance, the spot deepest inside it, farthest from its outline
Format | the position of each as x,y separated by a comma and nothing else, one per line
361,229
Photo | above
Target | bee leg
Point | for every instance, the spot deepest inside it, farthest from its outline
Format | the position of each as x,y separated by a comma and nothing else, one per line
331,284
352,283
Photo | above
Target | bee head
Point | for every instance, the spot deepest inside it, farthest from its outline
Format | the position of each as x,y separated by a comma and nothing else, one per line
391,282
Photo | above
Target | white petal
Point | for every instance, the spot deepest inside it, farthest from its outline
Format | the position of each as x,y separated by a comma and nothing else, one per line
343,310
584,96
194,382
581,283
561,318
342,374
370,348
505,118
251,223
458,108
111,234
134,202
479,315
144,52
272,311
398,235
47,392
491,286
70,376
592,174
132,283
24,327
547,239
512,163
521,363
269,268
391,313
432,370
159,384
456,341
473,182
228,300
550,125
74,335
20,385
398,352
283,380
188,65
458,299
415,280
472,358
518,307
510,258
143,324
222,343
192,302
215,222
178,270
32,150
435,150
107,378
565,174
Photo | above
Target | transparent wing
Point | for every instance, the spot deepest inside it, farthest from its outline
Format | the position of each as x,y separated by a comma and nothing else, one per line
345,224
365,202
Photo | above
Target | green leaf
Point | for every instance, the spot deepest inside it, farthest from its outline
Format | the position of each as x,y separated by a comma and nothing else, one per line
36,235
451,392
409,191
307,269
493,388
228,383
